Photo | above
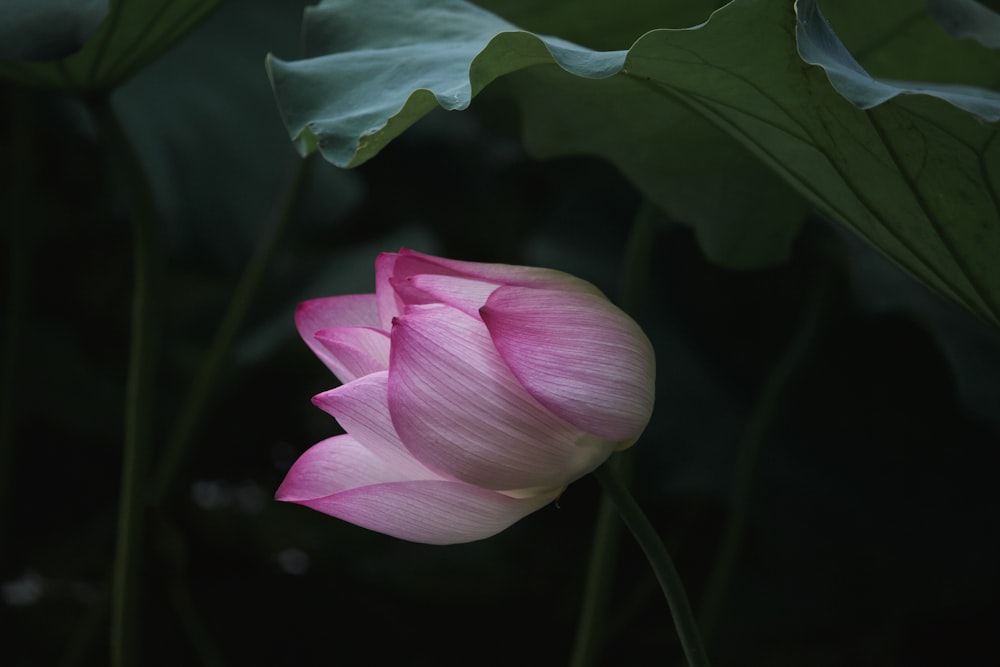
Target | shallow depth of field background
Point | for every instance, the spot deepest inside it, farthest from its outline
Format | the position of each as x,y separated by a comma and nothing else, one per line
872,534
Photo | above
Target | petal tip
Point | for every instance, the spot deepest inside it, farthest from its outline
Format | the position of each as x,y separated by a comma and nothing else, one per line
282,494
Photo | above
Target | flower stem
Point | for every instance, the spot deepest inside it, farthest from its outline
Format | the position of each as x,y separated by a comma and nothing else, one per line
22,167
590,629
663,566
193,410
125,618
639,258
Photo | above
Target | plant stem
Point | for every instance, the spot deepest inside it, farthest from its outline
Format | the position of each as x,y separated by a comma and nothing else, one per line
663,566
590,628
758,428
22,166
638,259
125,617
193,623
193,410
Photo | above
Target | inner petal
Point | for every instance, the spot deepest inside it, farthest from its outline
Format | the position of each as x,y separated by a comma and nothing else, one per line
466,294
355,351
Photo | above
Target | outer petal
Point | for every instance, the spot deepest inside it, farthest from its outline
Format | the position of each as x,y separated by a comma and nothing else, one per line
431,512
346,479
339,464
362,408
456,405
501,274
354,351
579,355
352,310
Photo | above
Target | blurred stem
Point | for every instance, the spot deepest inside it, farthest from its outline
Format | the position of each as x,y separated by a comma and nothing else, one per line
758,428
638,259
81,641
125,617
172,545
21,165
193,410
603,559
194,625
663,566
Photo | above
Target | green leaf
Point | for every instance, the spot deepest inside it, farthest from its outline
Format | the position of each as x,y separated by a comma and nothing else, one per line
967,19
743,215
818,45
600,25
208,91
911,168
47,29
133,34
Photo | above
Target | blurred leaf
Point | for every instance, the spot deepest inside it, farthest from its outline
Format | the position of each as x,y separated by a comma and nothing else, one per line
967,19
47,29
133,34
913,175
189,115
902,41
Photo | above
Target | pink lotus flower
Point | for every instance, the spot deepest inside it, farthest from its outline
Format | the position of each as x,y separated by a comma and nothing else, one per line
472,395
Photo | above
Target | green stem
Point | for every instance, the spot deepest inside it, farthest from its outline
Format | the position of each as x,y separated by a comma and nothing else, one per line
22,166
663,566
80,643
757,431
194,624
590,629
193,410
125,618
639,258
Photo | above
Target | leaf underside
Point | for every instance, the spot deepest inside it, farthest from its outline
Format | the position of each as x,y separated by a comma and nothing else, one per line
132,34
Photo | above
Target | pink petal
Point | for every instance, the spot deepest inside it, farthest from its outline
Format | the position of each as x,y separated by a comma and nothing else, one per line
352,310
465,294
339,464
362,408
579,355
344,478
456,405
500,274
431,512
390,267
354,351
388,302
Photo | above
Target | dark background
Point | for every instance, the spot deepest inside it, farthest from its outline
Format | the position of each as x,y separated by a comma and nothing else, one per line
871,533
